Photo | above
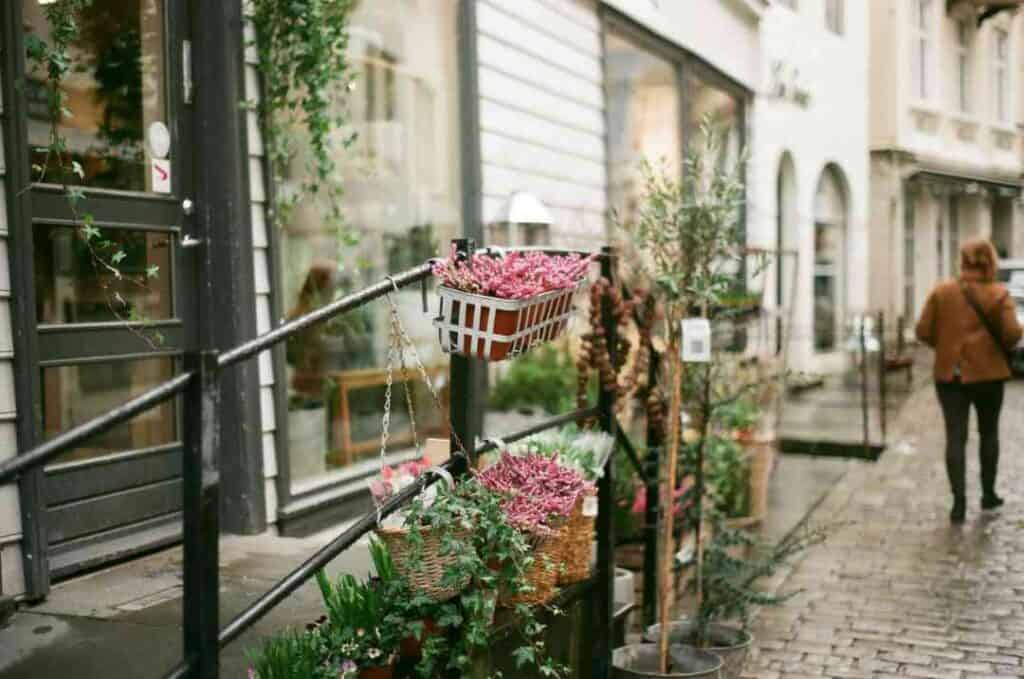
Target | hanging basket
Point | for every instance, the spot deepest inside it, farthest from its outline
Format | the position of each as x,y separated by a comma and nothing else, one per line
495,329
542,576
427,576
578,540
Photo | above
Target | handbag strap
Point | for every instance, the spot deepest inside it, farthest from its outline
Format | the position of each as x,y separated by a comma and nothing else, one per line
985,320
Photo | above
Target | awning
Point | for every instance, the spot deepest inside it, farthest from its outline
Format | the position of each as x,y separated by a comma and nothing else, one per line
968,183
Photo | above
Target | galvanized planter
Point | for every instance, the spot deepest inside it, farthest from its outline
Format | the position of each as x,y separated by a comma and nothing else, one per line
638,661
730,643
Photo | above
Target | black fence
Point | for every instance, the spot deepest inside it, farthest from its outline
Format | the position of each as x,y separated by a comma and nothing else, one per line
199,384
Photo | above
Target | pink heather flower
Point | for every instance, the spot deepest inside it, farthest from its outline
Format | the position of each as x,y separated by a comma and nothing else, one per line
537,489
517,275
640,501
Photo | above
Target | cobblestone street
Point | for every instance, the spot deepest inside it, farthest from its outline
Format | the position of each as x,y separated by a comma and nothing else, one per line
901,593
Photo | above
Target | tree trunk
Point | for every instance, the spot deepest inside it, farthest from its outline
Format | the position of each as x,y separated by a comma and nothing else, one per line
668,497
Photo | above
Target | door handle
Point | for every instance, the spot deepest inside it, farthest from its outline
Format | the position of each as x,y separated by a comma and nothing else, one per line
190,242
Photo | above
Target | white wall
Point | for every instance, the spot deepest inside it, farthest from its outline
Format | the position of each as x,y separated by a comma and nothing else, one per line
261,273
12,579
831,129
542,125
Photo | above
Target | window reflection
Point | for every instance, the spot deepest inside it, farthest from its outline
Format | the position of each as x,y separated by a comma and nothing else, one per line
73,394
707,100
72,288
403,198
114,91
643,119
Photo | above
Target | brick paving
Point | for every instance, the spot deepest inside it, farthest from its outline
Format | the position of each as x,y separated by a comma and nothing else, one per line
900,592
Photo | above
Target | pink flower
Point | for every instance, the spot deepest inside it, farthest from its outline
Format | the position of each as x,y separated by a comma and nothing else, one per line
538,491
640,501
517,275
348,668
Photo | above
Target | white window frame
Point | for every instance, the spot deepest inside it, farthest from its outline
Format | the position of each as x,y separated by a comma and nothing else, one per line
1001,92
964,40
791,4
922,48
835,16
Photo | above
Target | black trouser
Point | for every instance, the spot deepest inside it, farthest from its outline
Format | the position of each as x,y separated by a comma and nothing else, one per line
956,400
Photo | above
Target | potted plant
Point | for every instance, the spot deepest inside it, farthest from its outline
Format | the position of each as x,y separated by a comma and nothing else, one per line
538,498
730,593
584,453
493,556
685,243
495,306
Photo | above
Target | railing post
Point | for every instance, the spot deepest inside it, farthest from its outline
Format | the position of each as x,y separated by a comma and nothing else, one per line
201,479
865,420
652,461
604,599
882,387
464,398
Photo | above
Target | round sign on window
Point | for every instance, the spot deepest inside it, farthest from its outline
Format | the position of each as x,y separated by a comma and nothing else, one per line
159,140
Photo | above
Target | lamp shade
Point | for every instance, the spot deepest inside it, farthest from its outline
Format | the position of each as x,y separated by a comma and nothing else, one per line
524,208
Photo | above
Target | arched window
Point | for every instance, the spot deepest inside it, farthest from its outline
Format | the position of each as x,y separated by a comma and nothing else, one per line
829,258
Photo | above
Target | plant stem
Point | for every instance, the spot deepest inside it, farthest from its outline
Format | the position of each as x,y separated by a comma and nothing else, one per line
699,485
668,495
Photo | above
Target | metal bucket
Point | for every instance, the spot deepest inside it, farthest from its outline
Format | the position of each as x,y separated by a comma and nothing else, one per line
641,660
727,642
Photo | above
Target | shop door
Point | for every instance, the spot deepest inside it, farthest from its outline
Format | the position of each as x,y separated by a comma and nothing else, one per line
104,336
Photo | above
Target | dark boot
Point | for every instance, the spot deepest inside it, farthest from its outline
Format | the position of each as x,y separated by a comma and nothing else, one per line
991,501
959,512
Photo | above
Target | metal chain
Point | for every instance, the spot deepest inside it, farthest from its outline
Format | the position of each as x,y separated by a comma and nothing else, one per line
394,341
396,328
425,377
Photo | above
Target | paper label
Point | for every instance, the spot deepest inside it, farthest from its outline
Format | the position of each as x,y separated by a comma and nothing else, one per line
161,175
590,506
159,140
696,340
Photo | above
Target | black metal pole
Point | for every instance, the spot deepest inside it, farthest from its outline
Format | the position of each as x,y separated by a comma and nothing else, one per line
655,440
201,479
882,387
464,397
604,599
864,388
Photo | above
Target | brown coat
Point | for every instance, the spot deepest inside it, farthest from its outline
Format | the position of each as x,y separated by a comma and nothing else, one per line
950,325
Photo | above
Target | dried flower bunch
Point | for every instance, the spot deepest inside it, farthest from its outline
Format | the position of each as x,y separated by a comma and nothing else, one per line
516,275
538,491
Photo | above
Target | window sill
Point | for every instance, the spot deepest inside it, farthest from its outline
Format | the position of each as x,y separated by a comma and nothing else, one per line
966,126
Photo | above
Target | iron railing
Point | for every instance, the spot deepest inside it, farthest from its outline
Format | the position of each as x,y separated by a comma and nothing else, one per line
203,637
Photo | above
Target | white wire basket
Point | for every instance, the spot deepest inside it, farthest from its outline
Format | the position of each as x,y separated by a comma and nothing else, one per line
496,329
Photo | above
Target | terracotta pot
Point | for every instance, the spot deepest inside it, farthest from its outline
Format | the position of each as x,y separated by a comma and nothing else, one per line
385,672
411,647
506,322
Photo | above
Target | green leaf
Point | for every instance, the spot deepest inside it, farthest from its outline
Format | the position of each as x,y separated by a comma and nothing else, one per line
118,257
152,271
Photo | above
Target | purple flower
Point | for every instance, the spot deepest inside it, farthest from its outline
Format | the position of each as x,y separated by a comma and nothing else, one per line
348,667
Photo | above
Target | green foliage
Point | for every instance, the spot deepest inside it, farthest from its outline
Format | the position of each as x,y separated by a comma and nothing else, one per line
742,414
302,48
490,557
55,58
730,578
544,378
290,655
726,474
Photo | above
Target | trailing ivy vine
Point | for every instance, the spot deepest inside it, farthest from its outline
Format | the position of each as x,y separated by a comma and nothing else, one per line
302,48
58,165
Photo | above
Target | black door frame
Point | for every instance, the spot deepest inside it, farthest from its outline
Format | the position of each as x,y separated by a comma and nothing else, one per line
222,222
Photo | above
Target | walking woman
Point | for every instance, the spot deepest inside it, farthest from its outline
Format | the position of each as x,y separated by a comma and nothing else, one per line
972,324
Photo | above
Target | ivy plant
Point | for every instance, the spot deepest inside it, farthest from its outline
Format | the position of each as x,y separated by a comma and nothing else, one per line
54,58
495,559
302,50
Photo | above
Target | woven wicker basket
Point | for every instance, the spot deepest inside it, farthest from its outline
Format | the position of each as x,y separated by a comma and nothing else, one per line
577,544
542,576
495,329
427,576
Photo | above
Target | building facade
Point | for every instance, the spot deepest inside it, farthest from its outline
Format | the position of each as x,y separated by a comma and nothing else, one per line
809,165
946,143
455,105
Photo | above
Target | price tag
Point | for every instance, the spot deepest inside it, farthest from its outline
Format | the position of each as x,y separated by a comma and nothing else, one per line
696,334
437,451
590,506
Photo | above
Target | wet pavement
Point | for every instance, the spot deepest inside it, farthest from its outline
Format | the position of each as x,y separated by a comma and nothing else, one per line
900,592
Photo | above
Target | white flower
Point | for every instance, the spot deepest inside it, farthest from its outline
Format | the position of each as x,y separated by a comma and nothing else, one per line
373,653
